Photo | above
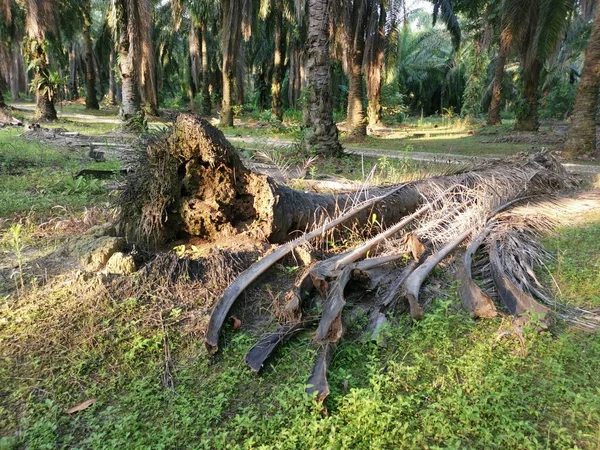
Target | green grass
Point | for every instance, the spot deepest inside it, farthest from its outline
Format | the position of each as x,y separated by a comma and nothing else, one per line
448,382
576,269
37,178
437,142
445,382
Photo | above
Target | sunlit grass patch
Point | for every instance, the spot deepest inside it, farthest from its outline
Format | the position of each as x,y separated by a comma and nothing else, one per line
576,269
39,177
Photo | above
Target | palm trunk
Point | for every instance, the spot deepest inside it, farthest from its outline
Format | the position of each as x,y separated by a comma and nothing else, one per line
206,103
213,194
325,133
146,59
528,119
2,103
494,113
232,10
226,110
44,96
194,47
356,126
276,110
91,99
130,102
239,75
374,55
581,137
112,82
72,73
15,71
354,27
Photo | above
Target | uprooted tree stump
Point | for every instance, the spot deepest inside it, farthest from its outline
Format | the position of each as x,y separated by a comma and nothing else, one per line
191,182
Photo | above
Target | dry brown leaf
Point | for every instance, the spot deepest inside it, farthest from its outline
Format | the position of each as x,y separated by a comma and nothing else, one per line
237,323
81,406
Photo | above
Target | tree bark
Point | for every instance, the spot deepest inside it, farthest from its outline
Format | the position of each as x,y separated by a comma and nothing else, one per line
374,54
581,137
146,59
112,82
44,98
2,103
73,91
324,136
130,101
195,60
91,99
231,44
276,103
494,113
528,119
355,22
16,56
206,102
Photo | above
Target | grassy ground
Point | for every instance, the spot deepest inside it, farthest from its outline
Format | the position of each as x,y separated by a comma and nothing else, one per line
134,344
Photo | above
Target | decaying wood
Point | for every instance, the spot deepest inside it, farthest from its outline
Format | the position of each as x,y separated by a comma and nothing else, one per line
318,378
193,183
260,352
515,300
232,292
474,300
415,280
330,327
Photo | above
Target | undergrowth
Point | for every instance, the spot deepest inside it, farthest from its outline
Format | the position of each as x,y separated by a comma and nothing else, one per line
134,343
446,382
39,177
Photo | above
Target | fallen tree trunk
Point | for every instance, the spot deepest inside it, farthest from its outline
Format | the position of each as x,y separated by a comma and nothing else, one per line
192,182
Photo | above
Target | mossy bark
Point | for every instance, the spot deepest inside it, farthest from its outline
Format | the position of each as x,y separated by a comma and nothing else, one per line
581,137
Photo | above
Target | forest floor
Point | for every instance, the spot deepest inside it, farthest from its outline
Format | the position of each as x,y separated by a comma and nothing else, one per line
131,346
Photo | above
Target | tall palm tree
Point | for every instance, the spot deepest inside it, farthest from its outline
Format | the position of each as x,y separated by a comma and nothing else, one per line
324,137
39,21
581,137
125,29
503,48
91,99
236,21
355,16
535,27
373,60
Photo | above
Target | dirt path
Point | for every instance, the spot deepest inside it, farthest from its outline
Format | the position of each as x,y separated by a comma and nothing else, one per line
252,143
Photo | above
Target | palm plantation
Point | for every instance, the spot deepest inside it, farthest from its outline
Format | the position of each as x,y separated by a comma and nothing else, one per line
311,224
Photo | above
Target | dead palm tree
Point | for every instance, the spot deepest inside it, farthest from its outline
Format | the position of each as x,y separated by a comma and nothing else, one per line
581,137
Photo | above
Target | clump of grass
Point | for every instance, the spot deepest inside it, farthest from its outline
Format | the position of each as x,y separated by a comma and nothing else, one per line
576,267
38,177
